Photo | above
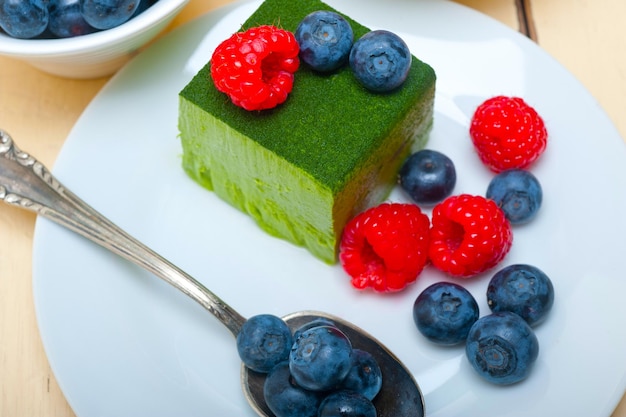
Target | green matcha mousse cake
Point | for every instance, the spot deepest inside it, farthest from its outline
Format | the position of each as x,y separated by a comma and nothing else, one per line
304,168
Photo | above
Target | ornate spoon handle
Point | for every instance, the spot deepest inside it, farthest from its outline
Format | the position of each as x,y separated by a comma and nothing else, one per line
28,184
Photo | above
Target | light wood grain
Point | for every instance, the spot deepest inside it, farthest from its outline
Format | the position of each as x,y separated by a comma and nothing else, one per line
593,50
501,10
40,110
586,36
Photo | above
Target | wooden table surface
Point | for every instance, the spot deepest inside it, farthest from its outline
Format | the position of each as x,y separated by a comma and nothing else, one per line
587,37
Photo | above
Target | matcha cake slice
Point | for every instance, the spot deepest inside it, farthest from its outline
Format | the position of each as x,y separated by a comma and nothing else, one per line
304,168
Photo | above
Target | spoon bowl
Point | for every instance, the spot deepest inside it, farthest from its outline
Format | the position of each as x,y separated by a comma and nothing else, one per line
28,184
399,395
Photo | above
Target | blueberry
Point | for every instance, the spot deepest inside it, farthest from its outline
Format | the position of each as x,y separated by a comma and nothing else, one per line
143,6
66,20
502,348
518,193
365,376
285,398
325,40
521,289
264,341
380,60
428,176
23,19
320,321
320,358
444,313
107,14
346,404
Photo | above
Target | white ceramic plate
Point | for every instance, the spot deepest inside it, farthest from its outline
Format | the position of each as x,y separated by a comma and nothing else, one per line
123,343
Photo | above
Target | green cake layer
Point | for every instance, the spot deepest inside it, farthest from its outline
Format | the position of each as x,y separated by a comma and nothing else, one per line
303,169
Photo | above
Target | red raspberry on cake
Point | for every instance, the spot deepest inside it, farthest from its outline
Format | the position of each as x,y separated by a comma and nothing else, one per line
385,247
468,235
507,133
256,68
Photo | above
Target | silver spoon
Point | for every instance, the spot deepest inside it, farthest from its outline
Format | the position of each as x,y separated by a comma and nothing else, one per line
26,183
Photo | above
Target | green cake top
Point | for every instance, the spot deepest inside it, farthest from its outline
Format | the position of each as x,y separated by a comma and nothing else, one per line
330,123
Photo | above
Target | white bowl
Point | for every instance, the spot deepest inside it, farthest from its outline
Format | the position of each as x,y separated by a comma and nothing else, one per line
97,54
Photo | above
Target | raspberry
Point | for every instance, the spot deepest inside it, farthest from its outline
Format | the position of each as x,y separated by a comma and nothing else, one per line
256,68
468,235
507,133
385,247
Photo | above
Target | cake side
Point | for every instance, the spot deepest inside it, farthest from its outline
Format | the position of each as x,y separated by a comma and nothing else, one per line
303,169
294,208
373,183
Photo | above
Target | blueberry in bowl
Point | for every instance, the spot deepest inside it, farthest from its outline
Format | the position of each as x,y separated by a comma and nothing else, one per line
23,19
95,53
